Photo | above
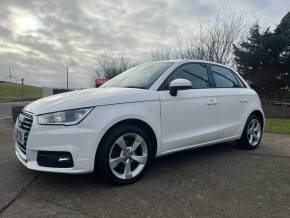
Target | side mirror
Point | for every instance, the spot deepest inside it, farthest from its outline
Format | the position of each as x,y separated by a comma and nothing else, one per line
179,84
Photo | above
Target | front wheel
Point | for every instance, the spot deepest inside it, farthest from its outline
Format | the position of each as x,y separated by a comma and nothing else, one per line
124,155
252,133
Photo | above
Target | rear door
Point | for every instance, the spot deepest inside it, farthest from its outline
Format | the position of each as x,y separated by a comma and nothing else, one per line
190,118
233,101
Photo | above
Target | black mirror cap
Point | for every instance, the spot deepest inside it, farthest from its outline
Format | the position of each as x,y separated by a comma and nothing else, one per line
174,89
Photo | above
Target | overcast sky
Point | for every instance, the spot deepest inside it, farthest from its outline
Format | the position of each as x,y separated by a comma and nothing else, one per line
40,38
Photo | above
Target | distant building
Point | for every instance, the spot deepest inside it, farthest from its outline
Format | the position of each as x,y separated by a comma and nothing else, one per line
100,82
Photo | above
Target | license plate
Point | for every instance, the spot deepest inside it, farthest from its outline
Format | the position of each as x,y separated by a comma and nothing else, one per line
19,136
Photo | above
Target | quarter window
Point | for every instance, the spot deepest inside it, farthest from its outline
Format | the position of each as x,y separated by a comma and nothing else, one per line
196,73
223,77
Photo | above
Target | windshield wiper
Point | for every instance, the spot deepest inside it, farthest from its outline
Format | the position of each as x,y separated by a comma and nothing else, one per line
134,87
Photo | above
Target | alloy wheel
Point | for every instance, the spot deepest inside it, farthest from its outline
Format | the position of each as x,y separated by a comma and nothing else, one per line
128,156
254,132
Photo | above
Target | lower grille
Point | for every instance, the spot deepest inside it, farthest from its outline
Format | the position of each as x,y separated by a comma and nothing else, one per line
57,159
24,123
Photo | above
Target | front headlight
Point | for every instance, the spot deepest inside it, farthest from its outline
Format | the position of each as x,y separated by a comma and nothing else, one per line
67,118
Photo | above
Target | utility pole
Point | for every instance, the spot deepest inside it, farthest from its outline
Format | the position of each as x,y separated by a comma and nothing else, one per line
9,73
67,78
22,80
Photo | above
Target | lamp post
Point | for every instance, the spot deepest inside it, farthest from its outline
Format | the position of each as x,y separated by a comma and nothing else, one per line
67,78
22,80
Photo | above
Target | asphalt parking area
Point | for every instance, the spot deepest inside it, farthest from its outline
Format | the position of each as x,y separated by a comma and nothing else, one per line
215,181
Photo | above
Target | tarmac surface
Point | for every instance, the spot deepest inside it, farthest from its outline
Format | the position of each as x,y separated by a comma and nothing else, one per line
5,108
215,181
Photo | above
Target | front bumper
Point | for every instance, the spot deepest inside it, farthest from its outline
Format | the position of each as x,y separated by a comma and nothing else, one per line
31,163
80,141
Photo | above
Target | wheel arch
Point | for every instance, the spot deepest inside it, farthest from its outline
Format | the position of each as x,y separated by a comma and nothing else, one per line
243,141
136,122
255,111
260,115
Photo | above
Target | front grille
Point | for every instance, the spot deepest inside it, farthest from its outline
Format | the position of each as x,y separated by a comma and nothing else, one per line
24,123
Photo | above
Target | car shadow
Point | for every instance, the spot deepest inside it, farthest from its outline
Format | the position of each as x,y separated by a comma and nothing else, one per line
189,154
171,161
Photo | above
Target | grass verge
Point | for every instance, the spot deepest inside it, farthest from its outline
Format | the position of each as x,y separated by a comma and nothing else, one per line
278,126
12,92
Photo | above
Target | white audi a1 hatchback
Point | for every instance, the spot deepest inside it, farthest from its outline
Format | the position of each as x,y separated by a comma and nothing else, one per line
149,110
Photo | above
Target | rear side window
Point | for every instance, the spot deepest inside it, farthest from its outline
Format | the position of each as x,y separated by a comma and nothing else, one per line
196,73
224,78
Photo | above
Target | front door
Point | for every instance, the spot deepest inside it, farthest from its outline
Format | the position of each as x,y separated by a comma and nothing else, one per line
191,117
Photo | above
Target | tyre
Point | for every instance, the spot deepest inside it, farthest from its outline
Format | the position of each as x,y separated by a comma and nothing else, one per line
252,133
124,154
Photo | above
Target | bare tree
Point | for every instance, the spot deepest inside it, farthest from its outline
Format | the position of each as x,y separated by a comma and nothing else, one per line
211,41
222,32
192,46
109,67
161,53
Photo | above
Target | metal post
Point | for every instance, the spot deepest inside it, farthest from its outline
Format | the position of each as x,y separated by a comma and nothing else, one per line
10,74
66,78
22,80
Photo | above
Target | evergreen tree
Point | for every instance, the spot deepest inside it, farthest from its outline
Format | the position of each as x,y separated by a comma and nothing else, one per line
283,32
263,58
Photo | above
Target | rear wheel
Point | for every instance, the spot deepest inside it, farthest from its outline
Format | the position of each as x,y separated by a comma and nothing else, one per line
124,155
252,133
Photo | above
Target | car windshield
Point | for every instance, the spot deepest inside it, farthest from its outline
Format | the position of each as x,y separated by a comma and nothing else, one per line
142,76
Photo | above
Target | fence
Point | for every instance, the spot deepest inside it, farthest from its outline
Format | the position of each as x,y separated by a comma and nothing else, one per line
276,103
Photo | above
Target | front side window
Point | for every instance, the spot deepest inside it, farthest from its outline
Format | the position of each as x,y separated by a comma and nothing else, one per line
196,73
142,76
223,77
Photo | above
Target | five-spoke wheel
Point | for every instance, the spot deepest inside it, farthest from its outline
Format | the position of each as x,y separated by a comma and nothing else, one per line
252,133
124,154
128,156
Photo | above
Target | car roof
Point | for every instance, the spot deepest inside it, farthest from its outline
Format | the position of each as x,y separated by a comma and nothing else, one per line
192,60
184,61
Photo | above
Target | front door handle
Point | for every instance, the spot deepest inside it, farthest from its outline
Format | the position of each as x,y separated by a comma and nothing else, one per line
243,100
212,102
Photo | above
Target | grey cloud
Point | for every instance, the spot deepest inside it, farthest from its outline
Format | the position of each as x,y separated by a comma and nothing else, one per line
74,32
5,32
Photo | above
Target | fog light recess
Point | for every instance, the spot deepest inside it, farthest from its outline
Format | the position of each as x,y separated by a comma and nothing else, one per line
56,159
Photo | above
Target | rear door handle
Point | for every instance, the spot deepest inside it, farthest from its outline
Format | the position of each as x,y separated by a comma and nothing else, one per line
212,102
243,100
